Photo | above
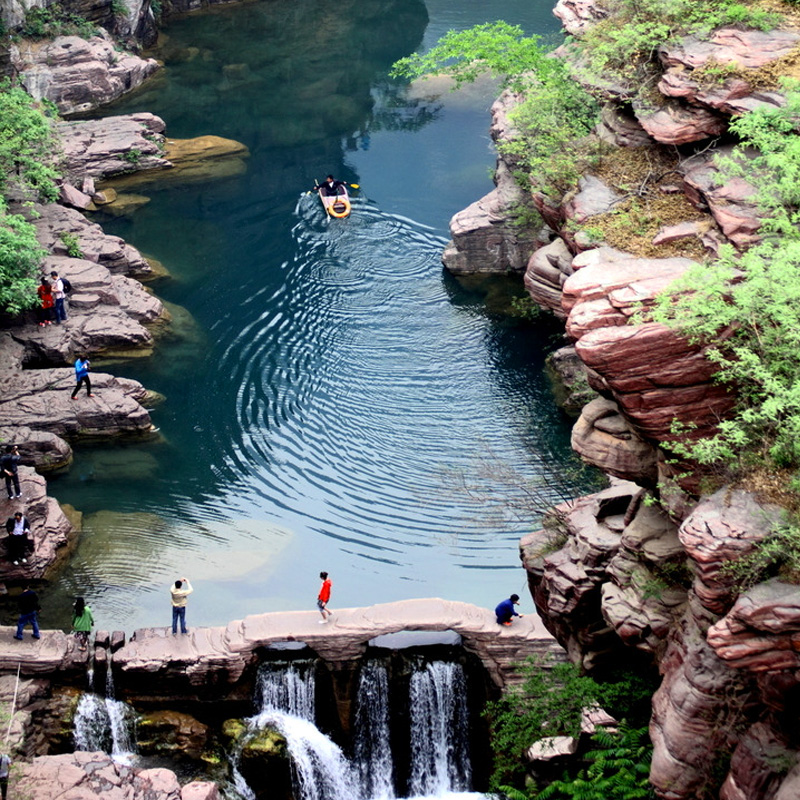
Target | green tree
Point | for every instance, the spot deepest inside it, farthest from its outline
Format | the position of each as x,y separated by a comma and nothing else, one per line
745,308
554,111
550,703
27,156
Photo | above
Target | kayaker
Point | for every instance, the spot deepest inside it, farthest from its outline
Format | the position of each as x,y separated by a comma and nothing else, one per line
330,188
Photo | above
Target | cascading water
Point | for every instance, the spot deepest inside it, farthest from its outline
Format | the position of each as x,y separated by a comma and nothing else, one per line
372,748
440,759
439,735
104,723
287,688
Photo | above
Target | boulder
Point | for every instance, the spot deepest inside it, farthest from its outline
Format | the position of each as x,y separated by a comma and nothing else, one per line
761,632
547,270
722,528
603,438
101,148
78,75
675,123
171,733
731,200
84,776
578,15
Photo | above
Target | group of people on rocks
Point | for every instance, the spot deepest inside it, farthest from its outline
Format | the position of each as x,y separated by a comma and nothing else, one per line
52,299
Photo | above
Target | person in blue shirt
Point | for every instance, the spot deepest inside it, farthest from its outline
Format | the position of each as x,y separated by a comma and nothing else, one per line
505,610
82,376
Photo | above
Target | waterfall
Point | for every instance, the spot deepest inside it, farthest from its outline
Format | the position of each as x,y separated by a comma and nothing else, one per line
320,770
439,730
438,734
104,723
372,746
288,688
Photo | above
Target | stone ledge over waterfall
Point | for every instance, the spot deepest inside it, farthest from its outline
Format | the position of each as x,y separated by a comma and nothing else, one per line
208,657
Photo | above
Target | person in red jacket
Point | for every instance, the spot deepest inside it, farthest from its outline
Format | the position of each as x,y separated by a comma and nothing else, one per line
323,597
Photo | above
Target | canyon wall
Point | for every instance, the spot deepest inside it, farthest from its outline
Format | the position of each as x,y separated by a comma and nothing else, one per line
639,570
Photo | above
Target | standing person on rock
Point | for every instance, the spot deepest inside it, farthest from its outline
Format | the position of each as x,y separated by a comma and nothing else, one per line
82,365
82,622
47,301
18,529
5,769
505,610
9,465
58,297
28,612
323,597
179,591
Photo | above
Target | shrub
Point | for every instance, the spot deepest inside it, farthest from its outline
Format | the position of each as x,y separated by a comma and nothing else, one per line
47,23
549,703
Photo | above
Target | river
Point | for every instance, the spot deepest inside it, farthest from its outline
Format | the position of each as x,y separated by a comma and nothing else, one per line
335,400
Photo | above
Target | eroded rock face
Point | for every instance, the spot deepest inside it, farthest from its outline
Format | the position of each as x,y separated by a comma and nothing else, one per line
484,239
78,75
731,201
547,271
116,255
696,713
578,15
569,380
566,564
760,632
724,527
603,438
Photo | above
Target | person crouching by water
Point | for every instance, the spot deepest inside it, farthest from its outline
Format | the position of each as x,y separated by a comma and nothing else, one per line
505,610
180,590
82,622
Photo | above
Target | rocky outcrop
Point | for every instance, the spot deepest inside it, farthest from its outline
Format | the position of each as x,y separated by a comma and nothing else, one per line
569,380
55,223
484,239
578,15
52,536
101,148
84,776
604,438
78,75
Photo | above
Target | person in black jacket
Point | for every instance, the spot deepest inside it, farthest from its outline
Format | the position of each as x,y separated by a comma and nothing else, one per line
18,529
28,611
9,465
330,188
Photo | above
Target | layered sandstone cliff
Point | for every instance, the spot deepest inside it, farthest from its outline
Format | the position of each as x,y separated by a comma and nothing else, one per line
639,570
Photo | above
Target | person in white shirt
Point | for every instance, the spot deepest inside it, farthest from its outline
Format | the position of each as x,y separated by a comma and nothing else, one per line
179,592
57,287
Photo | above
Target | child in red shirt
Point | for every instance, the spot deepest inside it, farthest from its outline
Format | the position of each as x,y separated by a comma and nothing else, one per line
323,597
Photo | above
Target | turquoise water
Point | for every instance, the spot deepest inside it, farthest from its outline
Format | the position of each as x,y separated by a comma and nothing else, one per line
335,401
